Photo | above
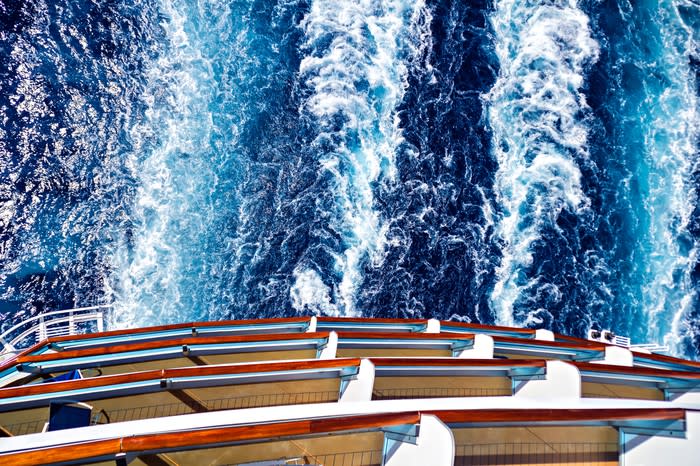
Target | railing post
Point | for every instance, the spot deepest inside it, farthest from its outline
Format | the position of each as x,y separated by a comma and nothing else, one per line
71,323
100,322
42,329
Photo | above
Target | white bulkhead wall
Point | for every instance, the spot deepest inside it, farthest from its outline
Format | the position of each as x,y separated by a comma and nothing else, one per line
642,450
435,446
562,381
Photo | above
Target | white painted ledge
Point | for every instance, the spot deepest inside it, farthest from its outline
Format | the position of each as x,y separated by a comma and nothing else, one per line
312,324
433,326
617,356
482,349
360,387
435,446
562,381
331,349
643,450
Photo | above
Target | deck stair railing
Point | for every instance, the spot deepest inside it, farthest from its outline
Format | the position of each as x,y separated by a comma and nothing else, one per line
52,324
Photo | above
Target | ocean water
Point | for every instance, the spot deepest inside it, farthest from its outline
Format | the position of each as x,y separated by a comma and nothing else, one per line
519,162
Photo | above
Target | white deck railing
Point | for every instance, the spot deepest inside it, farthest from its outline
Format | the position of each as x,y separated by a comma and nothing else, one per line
52,324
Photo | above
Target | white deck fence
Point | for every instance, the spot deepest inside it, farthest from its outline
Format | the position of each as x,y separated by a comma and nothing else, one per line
52,324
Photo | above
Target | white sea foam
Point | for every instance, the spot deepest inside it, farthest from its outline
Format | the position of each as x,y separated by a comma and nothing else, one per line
170,163
309,293
358,79
533,112
671,122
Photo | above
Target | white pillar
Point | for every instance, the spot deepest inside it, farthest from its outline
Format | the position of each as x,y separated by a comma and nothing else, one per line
644,450
433,326
562,381
360,387
435,446
544,334
312,324
617,356
482,349
331,347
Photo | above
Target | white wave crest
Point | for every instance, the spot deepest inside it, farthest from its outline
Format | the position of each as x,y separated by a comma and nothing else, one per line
533,110
309,293
174,176
356,68
671,122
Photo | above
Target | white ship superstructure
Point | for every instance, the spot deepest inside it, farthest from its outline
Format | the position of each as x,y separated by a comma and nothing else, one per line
334,391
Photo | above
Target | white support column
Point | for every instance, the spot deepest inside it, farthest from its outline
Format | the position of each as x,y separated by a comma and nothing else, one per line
562,381
331,347
312,324
433,326
482,349
645,450
434,446
100,322
359,388
617,356
544,334
42,329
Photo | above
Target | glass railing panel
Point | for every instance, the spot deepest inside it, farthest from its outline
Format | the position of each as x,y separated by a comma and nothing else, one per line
534,454
431,392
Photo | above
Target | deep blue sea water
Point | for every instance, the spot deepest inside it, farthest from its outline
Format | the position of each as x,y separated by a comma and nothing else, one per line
520,162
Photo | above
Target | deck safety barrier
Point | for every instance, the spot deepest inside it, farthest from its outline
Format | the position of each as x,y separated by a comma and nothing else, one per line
175,409
53,324
537,454
431,392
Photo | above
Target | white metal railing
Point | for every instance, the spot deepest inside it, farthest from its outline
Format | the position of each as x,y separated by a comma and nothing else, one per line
52,324
606,336
652,348
621,341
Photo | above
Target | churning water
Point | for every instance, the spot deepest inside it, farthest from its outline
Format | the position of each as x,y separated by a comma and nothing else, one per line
516,162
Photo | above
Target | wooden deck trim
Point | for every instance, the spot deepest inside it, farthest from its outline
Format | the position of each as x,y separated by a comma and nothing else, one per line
13,360
205,437
668,359
457,362
642,371
289,429
108,380
91,382
591,346
160,328
57,455
468,325
404,336
557,415
147,345
372,320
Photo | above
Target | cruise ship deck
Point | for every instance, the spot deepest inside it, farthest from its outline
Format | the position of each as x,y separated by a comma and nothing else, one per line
350,392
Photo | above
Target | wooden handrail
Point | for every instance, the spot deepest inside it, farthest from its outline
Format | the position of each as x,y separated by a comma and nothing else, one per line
372,320
641,371
477,416
468,325
593,345
668,359
458,362
146,345
159,328
196,371
206,437
13,361
404,336
220,436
